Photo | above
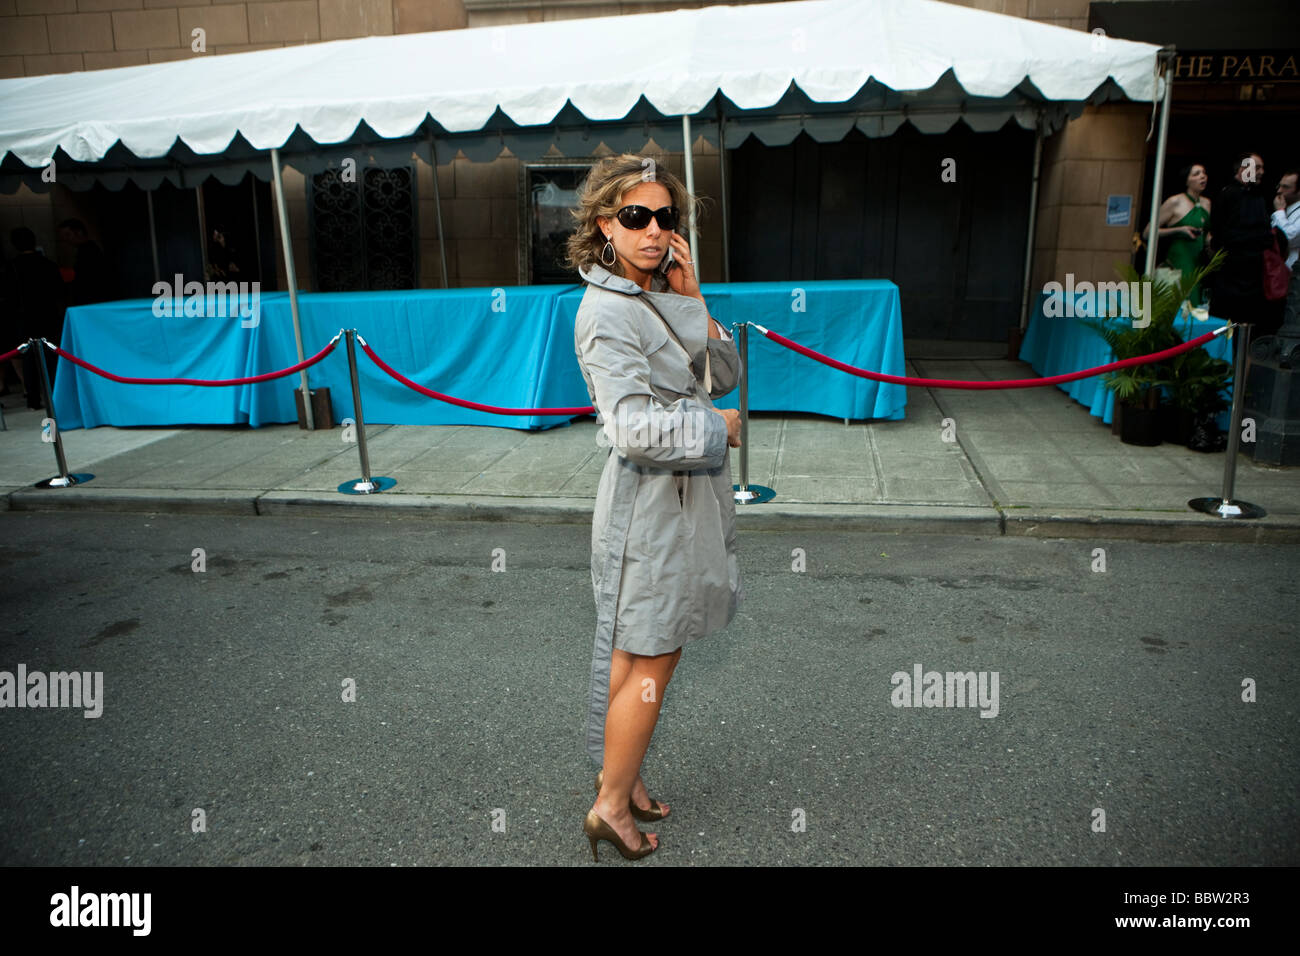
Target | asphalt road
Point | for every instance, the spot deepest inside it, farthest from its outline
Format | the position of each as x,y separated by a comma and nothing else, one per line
1118,691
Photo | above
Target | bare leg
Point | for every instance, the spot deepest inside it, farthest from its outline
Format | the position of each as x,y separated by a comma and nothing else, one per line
619,667
677,656
640,796
629,724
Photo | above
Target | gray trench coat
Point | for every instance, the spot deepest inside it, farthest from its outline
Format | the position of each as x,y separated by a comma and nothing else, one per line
664,566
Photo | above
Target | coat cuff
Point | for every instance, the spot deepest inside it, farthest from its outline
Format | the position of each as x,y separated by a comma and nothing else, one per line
685,436
712,440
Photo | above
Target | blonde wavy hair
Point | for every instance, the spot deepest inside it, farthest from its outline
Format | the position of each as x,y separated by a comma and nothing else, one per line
601,194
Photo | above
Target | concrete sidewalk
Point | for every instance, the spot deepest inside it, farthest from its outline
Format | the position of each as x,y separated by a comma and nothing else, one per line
1023,462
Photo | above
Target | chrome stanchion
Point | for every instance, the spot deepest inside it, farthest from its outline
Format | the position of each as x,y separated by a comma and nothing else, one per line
365,485
745,493
1225,506
63,479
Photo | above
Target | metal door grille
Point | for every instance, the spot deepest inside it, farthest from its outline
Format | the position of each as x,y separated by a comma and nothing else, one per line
364,232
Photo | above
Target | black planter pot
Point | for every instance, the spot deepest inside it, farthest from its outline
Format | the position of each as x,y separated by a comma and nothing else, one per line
1176,424
1140,426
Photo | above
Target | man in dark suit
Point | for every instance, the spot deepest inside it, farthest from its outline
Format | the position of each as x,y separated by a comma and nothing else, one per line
1239,225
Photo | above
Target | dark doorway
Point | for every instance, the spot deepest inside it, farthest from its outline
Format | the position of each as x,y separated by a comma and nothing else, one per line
121,223
243,214
881,209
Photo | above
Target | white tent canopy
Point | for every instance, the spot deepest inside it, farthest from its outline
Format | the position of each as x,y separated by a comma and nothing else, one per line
821,66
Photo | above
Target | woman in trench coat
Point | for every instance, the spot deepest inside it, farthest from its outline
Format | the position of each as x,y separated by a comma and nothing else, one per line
664,566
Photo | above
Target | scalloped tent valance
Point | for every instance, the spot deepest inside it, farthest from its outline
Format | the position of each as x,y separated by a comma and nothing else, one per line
772,70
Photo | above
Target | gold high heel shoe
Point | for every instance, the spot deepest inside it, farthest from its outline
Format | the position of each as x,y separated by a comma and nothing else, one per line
652,815
597,830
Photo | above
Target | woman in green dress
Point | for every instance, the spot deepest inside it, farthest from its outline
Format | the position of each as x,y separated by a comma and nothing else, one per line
1183,219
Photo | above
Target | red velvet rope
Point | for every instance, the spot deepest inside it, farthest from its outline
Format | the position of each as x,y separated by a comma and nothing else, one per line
249,380
1005,383
587,409
494,409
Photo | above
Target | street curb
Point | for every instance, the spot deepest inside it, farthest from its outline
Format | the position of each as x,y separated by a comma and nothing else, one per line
789,517
1157,526
88,498
874,518
436,507
784,517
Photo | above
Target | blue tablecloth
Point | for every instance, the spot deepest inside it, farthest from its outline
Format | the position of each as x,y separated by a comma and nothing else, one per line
126,338
857,321
510,347
1057,345
472,343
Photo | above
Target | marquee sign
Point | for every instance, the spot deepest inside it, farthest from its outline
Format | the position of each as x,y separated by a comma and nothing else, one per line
1244,66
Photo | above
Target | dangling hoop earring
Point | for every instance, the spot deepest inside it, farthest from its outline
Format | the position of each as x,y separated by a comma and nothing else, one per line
613,256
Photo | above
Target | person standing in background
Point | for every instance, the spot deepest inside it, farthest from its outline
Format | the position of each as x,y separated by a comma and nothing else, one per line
1183,220
33,296
1240,227
1286,214
92,279
224,260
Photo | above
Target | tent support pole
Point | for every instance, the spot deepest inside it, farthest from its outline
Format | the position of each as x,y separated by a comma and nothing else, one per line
1033,222
1158,179
153,237
689,160
722,187
292,278
257,229
203,229
437,207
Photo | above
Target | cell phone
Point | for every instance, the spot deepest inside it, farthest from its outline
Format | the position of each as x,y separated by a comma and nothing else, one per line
666,265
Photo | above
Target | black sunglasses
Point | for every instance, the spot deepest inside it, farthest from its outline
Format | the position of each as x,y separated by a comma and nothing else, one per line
638,217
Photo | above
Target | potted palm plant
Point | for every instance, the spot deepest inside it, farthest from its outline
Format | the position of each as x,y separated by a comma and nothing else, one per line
1195,381
1137,388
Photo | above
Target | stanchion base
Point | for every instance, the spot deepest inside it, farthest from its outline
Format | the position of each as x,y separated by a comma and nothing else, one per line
59,481
358,486
752,494
1222,508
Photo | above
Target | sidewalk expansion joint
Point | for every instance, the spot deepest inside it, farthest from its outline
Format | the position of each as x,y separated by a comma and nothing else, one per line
990,486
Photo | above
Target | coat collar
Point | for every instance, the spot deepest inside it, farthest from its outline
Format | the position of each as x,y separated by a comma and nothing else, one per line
687,318
597,274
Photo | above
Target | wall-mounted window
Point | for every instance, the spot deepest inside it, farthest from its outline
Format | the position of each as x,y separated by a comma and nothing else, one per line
547,193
